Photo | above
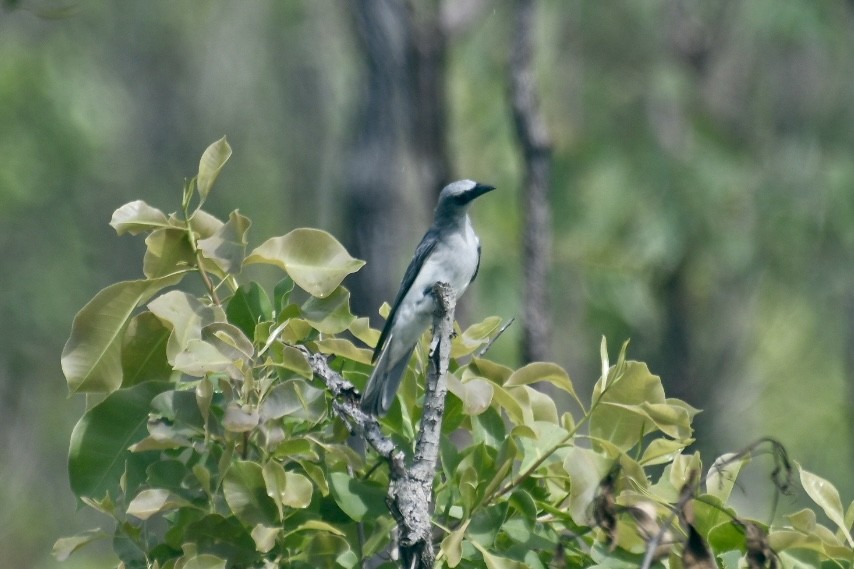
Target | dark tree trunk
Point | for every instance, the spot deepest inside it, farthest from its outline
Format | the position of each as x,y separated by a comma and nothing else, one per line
536,148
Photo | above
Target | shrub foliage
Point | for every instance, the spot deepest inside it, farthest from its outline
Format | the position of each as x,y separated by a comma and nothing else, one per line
210,443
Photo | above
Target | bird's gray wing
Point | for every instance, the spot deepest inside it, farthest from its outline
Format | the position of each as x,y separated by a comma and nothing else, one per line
428,243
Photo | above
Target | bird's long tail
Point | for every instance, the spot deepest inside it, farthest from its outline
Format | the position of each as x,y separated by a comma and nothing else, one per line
383,384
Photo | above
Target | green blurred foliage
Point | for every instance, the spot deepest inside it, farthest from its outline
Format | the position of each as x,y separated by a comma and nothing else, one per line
703,201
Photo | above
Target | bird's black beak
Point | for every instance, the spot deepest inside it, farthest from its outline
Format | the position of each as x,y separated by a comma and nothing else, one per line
480,189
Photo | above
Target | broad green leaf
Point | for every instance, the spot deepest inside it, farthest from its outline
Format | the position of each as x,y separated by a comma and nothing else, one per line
331,314
239,419
618,421
292,359
476,394
452,545
294,398
166,251
586,470
225,536
672,420
153,501
136,217
213,159
826,496
661,450
361,329
203,561
720,480
144,351
227,247
492,561
290,489
317,525
474,337
91,359
265,537
185,315
200,358
249,306
314,259
203,224
282,293
65,546
543,371
100,440
246,494
492,371
345,349
357,498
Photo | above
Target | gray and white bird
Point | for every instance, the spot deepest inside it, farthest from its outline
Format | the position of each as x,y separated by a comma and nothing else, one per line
449,252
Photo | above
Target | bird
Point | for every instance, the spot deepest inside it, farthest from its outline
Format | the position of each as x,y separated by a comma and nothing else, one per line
450,253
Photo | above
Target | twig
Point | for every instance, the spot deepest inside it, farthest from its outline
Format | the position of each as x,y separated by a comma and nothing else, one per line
492,340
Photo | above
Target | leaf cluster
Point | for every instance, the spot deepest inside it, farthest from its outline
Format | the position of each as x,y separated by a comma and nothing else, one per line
213,445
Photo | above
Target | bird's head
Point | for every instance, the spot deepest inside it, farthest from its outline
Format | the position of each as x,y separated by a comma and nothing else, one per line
455,198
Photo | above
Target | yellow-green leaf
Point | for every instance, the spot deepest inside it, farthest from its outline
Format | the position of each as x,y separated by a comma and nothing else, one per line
826,496
213,159
91,359
136,217
313,258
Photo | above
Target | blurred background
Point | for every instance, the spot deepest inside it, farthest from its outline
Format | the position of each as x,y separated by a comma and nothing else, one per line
701,175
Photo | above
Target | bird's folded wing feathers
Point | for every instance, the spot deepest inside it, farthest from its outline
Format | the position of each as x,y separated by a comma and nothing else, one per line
428,243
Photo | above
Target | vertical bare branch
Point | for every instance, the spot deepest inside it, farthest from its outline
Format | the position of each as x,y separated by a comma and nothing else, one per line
536,147
411,491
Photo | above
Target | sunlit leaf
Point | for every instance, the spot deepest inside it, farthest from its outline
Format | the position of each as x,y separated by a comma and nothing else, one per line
331,314
265,537
227,247
826,496
476,394
290,489
166,251
246,494
185,315
91,359
624,426
586,469
542,371
492,561
314,259
154,501
661,450
136,217
722,475
452,545
213,159
204,561
238,419
100,440
474,337
293,398
345,349
65,546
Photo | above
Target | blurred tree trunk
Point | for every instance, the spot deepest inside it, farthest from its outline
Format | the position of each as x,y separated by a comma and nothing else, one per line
533,138
400,121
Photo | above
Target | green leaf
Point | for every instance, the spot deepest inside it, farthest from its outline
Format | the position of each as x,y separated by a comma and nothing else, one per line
452,545
246,494
543,371
203,561
495,562
185,315
661,450
65,546
343,348
91,359
722,475
586,470
622,422
331,314
227,247
249,306
294,398
166,251
314,259
144,351
282,293
136,217
213,159
357,498
238,419
474,337
100,440
153,501
826,496
476,394
265,537
286,488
